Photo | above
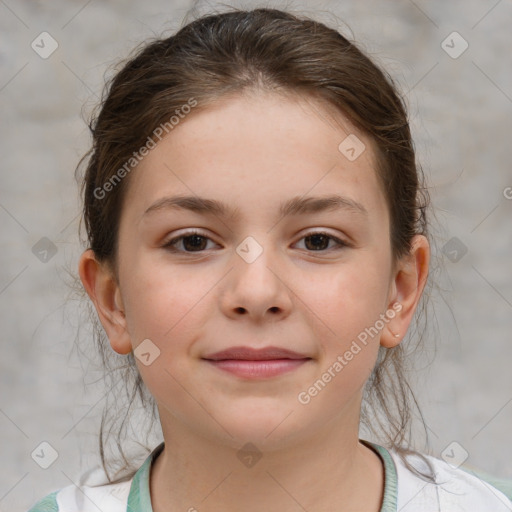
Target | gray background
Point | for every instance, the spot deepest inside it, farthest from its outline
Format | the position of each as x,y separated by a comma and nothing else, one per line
461,111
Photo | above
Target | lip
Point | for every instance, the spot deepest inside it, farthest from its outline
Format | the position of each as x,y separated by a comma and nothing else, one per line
250,363
253,354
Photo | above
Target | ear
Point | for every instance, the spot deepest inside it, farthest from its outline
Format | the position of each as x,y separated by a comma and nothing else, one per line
104,292
410,277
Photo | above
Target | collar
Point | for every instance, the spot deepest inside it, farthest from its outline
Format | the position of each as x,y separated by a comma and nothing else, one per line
139,499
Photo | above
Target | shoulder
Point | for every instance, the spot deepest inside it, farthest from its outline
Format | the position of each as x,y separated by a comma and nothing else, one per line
107,498
92,495
455,488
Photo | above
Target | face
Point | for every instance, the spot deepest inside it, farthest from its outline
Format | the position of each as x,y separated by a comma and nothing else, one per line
272,267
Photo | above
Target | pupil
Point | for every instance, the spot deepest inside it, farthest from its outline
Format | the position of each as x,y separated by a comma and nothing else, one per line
197,241
316,238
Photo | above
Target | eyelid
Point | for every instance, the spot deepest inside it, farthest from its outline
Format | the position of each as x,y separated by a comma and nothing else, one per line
322,231
340,243
169,242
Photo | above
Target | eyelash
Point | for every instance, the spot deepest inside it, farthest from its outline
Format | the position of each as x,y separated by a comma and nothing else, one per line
170,245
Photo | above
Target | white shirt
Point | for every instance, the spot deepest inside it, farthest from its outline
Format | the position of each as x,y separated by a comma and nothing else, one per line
457,490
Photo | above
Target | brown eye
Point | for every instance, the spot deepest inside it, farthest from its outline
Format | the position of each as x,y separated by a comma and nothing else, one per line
191,242
319,241
194,242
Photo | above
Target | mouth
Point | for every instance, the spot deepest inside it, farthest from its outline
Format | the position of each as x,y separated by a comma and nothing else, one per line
246,362
253,354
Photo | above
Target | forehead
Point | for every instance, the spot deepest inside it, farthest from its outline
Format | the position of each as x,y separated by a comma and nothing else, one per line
259,149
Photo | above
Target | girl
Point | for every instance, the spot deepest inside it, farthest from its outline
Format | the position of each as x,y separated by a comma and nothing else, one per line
258,247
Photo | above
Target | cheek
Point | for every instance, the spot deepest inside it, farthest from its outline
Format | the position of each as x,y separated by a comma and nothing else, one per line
347,309
161,301
350,298
348,304
167,306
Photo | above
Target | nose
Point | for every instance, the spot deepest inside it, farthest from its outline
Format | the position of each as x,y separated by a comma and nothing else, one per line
258,289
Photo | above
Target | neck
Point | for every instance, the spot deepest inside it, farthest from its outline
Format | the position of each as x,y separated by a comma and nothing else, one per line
329,471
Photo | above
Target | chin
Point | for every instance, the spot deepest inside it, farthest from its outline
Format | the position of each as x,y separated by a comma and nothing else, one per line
268,429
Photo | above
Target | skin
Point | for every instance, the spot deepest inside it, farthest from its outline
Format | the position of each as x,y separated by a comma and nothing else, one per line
254,151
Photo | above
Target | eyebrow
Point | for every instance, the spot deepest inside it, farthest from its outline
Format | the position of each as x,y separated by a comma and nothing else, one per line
294,206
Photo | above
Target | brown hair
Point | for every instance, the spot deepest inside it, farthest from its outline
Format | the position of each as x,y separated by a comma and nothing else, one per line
268,50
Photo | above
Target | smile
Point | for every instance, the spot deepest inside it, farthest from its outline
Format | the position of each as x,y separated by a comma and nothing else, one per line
257,369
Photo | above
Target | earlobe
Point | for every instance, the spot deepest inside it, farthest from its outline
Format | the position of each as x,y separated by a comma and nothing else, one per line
406,290
105,294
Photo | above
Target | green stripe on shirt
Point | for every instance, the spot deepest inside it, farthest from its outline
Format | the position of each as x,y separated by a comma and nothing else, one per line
46,504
